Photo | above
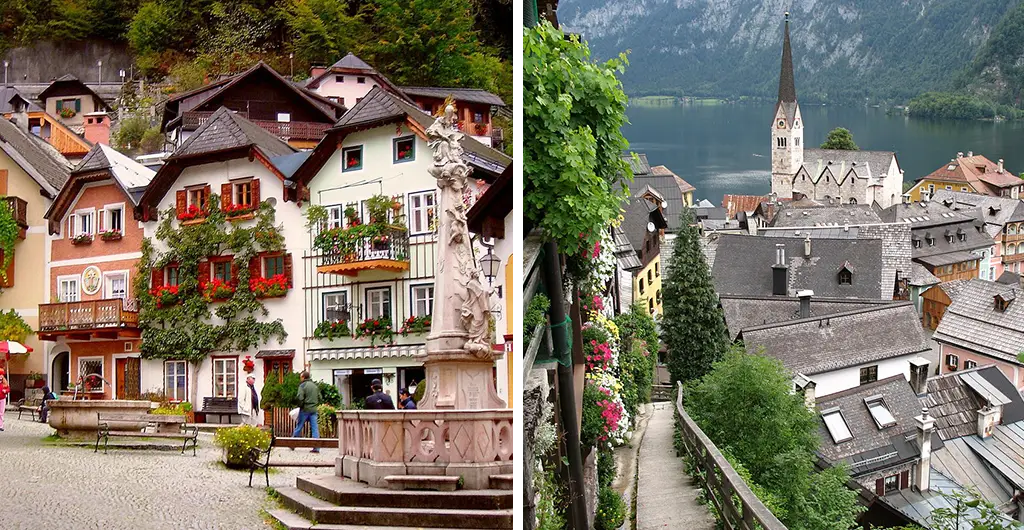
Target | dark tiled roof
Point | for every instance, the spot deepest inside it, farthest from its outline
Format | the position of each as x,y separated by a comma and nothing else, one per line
823,344
226,130
353,62
131,175
743,266
854,214
954,405
869,441
973,240
972,321
288,164
624,251
638,165
34,155
377,106
637,212
748,311
787,84
919,276
923,214
993,210
953,288
8,92
1009,278
684,186
469,95
867,164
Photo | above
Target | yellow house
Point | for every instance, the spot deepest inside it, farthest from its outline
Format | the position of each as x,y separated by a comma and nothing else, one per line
31,174
972,174
643,224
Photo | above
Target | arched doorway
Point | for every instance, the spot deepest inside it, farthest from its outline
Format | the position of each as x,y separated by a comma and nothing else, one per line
60,371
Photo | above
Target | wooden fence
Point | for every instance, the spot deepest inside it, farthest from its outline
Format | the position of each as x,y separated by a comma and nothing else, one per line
737,506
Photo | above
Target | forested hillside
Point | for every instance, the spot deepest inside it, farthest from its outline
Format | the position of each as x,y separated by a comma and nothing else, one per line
843,51
464,43
997,73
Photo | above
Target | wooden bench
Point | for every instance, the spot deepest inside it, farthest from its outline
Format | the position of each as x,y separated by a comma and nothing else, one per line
161,423
220,407
259,458
32,402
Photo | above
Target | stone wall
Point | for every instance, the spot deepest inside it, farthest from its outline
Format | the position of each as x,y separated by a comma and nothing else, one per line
45,61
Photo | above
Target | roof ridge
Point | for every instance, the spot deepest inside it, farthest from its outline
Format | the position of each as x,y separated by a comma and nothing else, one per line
808,320
858,389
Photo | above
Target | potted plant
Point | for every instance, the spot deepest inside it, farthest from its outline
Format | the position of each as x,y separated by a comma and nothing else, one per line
217,290
248,365
238,210
67,112
419,324
237,442
110,235
192,213
35,380
331,329
82,239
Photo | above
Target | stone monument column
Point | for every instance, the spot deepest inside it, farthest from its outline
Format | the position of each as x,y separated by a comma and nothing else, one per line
459,361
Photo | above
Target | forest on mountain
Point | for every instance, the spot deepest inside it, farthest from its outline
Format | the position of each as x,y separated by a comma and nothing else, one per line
459,43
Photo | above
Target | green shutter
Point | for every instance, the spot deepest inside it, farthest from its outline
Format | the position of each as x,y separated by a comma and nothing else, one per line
78,105
60,105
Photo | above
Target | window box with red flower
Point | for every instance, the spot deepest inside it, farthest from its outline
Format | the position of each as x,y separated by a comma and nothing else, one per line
414,325
83,239
375,328
276,285
352,158
216,290
332,329
239,210
193,213
166,295
110,235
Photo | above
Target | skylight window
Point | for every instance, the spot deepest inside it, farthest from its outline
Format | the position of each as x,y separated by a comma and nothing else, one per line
951,168
880,412
836,424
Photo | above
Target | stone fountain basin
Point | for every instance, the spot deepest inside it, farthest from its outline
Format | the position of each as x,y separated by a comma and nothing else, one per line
77,419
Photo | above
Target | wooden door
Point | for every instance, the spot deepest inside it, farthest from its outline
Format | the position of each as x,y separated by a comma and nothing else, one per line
119,375
276,368
128,374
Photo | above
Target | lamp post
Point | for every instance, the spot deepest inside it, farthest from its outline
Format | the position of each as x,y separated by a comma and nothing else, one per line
491,264
99,67
6,64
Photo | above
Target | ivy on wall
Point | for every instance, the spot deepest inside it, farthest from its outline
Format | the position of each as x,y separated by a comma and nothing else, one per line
187,330
9,231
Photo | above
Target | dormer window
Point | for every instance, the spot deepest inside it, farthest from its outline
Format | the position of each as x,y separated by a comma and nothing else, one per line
836,424
880,412
929,239
949,236
961,235
917,241
1004,299
845,275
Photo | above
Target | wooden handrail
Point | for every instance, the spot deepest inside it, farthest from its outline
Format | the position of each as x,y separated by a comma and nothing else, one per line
108,312
723,485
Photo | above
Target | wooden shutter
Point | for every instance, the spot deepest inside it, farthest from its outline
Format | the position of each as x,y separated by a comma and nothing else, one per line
158,278
225,195
288,268
880,486
78,105
255,266
204,271
206,195
905,480
180,201
255,192
3,182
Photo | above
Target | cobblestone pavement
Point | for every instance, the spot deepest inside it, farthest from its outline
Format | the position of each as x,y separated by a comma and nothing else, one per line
58,487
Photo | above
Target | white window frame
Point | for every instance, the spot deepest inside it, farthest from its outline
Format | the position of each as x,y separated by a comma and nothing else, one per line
177,374
105,217
325,305
103,365
108,278
221,389
368,305
952,360
968,364
421,213
414,300
335,216
70,278
74,224
284,117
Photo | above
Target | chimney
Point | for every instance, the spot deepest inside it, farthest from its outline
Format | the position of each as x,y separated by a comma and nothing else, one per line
919,375
19,105
806,387
805,302
1000,170
97,128
315,71
780,272
925,428
988,418
807,247
970,154
959,154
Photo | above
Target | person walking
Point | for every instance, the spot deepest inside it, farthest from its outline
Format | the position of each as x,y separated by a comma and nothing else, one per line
309,400
379,400
249,403
405,400
5,389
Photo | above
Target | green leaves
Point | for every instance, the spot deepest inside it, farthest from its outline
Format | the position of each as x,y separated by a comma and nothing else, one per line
840,138
573,111
9,231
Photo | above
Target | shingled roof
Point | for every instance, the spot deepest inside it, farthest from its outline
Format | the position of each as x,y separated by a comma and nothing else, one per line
826,215
823,344
35,156
867,164
954,404
468,95
7,93
972,321
749,311
978,171
637,213
226,130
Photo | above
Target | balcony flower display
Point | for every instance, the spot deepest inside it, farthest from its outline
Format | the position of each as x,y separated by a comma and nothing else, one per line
67,112
166,295
375,328
110,235
373,240
83,239
414,325
216,290
238,210
352,216
332,329
248,365
192,213
276,285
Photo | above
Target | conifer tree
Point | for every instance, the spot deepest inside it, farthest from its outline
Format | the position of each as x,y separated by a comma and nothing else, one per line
693,327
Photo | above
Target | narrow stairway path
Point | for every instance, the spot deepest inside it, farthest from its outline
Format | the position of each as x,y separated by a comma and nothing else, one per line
666,495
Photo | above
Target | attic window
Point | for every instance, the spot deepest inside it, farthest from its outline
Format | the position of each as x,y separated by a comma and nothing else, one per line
361,80
880,412
1003,300
339,79
845,275
836,424
352,158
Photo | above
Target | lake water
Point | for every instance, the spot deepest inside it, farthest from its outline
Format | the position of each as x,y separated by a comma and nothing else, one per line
723,149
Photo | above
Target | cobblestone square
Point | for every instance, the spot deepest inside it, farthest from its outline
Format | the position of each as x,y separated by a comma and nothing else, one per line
43,485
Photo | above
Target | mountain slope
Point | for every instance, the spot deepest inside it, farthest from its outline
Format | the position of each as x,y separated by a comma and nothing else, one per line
843,50
997,73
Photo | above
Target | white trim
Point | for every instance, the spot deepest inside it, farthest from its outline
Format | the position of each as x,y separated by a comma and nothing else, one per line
98,259
364,302
106,210
127,285
323,303
77,278
92,224
409,211
411,305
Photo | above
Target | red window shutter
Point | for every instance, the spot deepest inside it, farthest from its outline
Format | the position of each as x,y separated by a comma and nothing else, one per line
225,196
206,195
204,271
158,278
905,480
880,486
255,266
255,192
288,268
181,201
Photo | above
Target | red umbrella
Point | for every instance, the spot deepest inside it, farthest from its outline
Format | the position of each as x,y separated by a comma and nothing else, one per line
7,347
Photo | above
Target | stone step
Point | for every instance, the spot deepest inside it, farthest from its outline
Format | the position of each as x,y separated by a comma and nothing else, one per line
345,492
502,482
293,521
323,512
422,482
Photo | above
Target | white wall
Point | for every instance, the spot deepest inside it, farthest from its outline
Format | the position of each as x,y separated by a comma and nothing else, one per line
846,378
350,89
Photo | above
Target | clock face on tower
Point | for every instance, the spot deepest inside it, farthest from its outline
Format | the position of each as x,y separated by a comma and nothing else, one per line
782,124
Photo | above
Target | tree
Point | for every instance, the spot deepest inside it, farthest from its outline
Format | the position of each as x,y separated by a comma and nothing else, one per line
13,327
967,507
693,328
323,30
840,138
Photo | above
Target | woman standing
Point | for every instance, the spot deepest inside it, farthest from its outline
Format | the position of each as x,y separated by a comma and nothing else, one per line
4,390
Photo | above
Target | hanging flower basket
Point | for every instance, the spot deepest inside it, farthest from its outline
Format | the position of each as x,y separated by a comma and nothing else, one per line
376,328
272,287
416,325
110,235
248,365
84,239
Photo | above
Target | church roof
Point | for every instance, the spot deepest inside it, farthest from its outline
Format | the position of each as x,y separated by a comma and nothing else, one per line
787,84
868,164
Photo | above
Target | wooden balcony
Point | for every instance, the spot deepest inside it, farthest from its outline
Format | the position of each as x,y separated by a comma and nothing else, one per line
110,318
368,253
19,208
1013,238
1013,258
293,130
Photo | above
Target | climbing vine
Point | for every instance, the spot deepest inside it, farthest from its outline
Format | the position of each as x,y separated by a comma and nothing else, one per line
195,325
9,231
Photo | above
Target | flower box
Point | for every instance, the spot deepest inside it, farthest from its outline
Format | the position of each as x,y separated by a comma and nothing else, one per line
239,210
192,213
217,290
166,295
111,235
416,325
331,329
67,112
84,239
272,287
375,328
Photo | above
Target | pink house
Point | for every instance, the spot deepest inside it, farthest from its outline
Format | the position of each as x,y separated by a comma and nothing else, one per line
1003,218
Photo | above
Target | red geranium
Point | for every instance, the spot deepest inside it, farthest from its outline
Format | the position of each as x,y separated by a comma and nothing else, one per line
276,285
166,295
238,209
192,212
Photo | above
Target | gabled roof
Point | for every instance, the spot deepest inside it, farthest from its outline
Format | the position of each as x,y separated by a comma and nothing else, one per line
468,95
71,81
978,171
664,182
637,213
954,404
7,93
625,254
973,323
496,202
866,164
825,215
35,156
734,204
350,64
823,344
744,311
684,187
993,210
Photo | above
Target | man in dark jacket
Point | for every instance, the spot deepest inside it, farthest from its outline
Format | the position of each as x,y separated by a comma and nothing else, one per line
405,400
309,400
379,400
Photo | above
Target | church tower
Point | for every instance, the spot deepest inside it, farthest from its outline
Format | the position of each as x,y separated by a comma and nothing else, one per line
787,127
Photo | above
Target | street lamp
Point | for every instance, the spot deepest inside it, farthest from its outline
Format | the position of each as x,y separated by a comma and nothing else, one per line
491,264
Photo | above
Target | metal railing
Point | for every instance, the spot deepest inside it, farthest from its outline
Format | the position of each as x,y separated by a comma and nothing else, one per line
19,210
90,314
393,245
735,503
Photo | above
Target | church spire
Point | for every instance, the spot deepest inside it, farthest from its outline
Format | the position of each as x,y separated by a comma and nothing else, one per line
787,86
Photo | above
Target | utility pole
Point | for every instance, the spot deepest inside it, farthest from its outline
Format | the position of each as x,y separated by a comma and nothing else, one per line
6,64
291,66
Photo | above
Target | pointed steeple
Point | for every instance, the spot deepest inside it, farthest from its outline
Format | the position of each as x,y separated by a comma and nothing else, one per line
787,86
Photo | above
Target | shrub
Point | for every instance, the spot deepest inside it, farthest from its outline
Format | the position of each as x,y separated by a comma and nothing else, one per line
239,441
180,409
283,394
534,316
421,390
606,470
327,419
593,425
329,394
611,510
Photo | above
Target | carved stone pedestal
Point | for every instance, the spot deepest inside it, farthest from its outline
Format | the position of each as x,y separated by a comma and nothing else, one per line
459,381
